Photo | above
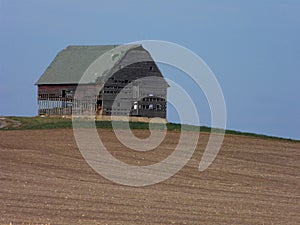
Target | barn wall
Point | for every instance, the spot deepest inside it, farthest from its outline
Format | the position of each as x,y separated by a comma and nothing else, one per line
59,99
151,96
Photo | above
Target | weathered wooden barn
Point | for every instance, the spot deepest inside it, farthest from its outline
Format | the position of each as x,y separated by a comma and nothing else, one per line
126,72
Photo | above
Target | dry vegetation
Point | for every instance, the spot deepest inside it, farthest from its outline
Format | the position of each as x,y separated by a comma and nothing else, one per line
45,180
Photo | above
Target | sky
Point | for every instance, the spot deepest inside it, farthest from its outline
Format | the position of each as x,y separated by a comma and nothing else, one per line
251,46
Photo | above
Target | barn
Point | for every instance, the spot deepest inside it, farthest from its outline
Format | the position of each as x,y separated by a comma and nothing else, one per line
130,72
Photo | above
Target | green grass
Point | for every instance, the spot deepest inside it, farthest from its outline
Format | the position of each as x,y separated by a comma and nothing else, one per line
30,123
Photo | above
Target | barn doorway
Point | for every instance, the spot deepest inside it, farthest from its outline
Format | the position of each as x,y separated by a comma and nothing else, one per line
99,105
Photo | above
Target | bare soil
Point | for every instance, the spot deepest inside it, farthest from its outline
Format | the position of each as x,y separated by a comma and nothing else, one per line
45,180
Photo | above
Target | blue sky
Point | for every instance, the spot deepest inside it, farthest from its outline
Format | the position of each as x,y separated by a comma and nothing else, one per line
251,46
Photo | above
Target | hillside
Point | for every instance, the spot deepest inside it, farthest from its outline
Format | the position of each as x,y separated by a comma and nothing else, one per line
44,179
31,123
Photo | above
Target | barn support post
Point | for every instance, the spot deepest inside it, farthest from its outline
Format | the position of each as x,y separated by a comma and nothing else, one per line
38,106
61,104
61,99
48,112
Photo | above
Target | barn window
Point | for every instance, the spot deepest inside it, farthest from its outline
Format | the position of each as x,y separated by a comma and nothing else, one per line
51,95
151,68
63,93
69,94
44,96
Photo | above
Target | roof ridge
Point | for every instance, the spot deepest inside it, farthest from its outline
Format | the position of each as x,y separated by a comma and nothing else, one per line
114,45
93,45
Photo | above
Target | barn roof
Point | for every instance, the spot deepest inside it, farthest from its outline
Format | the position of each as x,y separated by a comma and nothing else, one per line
70,64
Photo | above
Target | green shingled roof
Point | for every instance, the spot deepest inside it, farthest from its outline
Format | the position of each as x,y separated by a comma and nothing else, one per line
70,64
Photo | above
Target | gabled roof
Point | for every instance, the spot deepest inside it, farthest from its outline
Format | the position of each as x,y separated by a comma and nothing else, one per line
70,64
